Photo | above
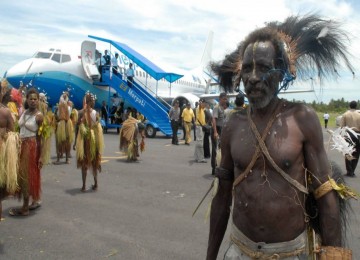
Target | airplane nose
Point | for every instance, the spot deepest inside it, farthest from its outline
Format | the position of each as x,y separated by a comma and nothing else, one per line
18,72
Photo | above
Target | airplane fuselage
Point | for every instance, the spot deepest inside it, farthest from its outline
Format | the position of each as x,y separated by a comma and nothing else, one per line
53,72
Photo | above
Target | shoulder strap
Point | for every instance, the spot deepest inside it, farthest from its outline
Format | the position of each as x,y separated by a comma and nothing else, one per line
265,151
245,173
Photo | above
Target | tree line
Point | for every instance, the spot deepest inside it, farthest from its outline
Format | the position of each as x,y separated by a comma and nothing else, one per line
335,106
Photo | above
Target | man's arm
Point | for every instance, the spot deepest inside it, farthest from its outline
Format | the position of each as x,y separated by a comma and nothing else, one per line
10,121
317,163
214,118
170,113
343,120
220,207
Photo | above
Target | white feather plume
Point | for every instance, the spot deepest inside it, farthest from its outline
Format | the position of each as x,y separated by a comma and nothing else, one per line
341,141
324,31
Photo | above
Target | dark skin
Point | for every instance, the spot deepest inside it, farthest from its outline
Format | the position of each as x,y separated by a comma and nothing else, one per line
294,141
6,125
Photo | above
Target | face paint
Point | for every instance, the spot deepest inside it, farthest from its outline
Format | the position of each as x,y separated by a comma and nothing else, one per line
260,85
254,51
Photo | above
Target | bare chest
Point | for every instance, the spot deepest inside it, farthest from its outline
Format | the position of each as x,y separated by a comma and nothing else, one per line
283,144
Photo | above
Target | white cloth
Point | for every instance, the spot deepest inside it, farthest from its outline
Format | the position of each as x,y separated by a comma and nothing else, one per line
28,125
130,72
114,62
234,253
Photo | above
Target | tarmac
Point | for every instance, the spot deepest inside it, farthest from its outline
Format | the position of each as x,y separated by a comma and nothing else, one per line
142,210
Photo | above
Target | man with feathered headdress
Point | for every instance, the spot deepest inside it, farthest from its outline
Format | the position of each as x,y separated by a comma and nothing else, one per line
273,155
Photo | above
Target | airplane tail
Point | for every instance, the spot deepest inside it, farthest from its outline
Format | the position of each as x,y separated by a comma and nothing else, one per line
205,60
206,57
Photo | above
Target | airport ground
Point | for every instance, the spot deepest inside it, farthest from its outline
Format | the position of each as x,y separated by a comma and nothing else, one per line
142,210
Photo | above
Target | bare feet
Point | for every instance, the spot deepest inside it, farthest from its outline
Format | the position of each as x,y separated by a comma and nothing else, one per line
18,212
94,187
35,205
83,189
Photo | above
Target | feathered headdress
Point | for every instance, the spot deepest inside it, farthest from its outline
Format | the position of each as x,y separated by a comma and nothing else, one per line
16,96
306,45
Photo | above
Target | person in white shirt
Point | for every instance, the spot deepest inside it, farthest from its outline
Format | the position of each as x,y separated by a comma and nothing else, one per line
115,64
130,75
99,62
326,119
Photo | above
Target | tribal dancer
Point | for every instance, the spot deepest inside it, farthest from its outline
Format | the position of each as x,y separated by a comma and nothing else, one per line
46,129
64,130
273,156
130,131
89,141
9,151
29,178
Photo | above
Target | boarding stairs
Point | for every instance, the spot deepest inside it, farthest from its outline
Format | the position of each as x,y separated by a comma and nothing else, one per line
140,99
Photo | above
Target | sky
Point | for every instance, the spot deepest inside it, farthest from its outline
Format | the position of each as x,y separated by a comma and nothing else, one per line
171,33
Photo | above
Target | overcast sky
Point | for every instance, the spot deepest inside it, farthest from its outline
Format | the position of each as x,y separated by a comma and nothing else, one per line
169,32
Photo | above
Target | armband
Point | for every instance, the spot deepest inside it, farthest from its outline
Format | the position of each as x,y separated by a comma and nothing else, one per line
224,174
343,191
330,252
323,189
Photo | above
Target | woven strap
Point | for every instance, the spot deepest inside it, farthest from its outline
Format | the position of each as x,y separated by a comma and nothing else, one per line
265,151
245,173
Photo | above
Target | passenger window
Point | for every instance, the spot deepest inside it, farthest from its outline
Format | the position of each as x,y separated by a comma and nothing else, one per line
65,58
56,57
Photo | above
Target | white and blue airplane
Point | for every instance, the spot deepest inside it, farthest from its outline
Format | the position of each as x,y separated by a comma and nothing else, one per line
55,70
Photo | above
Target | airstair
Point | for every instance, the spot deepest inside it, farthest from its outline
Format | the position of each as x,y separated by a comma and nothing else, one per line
136,95
155,112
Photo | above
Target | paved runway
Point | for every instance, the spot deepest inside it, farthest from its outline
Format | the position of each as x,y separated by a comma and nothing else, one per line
141,211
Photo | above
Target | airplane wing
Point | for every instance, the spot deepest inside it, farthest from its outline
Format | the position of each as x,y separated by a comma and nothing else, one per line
216,95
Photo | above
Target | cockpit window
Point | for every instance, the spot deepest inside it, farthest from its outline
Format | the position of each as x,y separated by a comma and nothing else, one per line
42,55
65,58
56,57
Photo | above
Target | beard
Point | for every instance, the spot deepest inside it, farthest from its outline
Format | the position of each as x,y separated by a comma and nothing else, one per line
261,94
259,103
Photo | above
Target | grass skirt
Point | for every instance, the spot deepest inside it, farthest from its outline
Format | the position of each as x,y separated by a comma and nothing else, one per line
29,178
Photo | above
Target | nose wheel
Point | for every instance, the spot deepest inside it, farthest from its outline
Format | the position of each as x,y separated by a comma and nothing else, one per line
150,131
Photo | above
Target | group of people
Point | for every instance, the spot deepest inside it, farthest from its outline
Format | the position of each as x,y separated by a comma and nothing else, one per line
82,131
114,63
25,143
207,124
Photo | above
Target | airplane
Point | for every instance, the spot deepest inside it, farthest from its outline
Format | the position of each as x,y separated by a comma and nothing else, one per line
54,70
